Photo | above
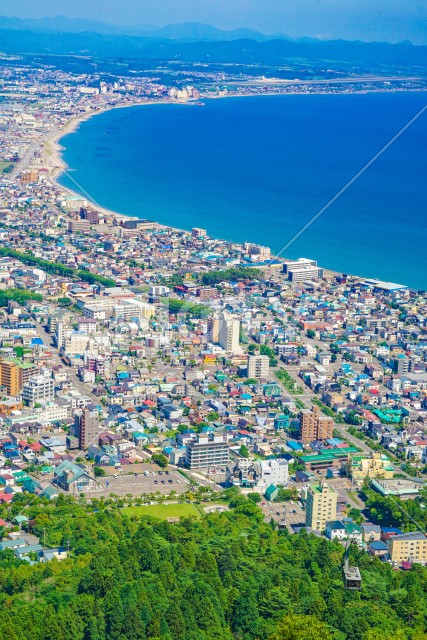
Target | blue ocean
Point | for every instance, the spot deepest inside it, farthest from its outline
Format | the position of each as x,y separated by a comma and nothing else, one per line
258,169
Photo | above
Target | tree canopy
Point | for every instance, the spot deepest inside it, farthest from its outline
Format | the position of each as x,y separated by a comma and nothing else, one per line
224,576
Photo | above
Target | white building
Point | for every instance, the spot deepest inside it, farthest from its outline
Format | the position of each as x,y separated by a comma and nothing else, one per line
302,269
37,390
272,472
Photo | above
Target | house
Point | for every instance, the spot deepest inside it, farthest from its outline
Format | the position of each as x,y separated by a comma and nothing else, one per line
271,492
377,548
335,530
72,477
371,532
59,553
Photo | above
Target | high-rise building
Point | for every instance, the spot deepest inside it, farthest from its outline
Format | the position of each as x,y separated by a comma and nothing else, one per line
9,377
229,332
14,374
86,427
213,329
207,451
258,366
225,331
314,426
321,506
38,389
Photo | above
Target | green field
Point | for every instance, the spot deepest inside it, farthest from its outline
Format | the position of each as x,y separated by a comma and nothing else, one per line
164,511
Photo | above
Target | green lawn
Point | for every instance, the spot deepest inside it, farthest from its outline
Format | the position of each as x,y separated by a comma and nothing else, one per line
164,511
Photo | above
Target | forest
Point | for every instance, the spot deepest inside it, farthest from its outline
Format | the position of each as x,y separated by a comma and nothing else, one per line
225,576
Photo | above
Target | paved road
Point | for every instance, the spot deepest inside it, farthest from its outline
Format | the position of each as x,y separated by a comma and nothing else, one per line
83,388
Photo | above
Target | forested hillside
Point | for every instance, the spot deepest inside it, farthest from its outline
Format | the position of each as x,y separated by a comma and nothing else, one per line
223,577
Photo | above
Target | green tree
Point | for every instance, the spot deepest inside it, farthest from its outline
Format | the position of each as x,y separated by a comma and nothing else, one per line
160,459
99,472
302,627
244,451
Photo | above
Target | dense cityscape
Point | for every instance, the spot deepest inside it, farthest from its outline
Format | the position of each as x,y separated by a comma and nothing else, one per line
153,372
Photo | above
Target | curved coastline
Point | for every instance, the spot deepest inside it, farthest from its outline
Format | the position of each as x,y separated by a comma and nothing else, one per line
53,150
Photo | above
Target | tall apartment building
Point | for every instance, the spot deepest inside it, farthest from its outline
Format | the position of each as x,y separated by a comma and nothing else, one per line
14,374
321,506
213,329
207,451
225,331
258,366
408,547
315,426
38,389
86,427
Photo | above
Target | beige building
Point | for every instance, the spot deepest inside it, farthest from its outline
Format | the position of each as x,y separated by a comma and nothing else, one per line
225,330
378,465
321,506
258,366
408,547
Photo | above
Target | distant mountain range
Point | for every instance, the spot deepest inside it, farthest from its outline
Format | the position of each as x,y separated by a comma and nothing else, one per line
184,31
194,42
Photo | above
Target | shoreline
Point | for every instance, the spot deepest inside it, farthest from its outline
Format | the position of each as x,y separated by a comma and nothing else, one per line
52,149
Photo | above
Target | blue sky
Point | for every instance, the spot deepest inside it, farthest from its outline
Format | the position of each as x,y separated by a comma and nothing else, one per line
392,20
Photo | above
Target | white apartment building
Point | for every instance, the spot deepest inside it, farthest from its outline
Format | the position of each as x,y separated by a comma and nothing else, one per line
37,390
207,451
225,330
302,269
258,366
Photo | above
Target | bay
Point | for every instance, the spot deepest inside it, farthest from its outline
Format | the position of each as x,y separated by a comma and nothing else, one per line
260,168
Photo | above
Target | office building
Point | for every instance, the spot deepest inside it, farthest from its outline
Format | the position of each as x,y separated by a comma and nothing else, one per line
86,427
207,451
38,389
408,547
258,366
321,506
315,426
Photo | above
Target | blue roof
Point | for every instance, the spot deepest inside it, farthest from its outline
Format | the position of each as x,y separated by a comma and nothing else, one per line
36,341
377,545
296,446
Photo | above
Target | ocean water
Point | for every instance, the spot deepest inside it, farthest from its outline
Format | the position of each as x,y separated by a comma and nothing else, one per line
258,169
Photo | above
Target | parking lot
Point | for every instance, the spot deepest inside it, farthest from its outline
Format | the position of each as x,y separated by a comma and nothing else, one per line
289,511
139,483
